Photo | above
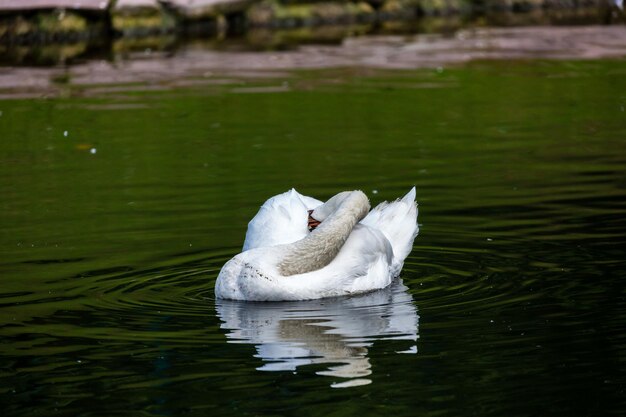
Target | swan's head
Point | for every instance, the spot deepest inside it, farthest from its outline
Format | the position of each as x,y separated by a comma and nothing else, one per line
356,198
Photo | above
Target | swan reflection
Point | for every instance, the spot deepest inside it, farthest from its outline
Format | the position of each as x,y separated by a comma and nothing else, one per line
336,331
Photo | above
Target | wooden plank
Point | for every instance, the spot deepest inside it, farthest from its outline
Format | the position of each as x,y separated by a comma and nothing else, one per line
17,5
197,9
153,4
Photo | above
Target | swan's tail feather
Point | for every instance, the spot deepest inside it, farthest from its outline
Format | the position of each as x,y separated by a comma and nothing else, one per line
409,198
398,222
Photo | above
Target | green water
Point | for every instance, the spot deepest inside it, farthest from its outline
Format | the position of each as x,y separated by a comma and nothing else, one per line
512,302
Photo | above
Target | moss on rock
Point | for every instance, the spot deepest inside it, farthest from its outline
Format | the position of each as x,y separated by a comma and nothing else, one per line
142,21
443,7
57,25
274,14
399,10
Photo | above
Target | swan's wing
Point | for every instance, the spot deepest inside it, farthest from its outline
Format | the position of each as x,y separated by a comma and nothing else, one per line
310,202
281,219
362,264
366,259
398,222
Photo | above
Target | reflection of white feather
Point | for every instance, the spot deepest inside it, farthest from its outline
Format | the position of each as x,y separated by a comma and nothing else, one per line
352,251
332,331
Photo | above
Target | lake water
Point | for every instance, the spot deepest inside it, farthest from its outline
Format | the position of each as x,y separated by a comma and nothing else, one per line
120,203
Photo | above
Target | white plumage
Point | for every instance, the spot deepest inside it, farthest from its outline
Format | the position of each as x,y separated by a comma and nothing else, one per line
353,250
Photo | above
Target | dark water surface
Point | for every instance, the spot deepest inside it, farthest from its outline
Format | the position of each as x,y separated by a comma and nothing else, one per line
118,208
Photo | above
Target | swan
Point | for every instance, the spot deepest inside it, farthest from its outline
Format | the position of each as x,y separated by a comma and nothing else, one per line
299,248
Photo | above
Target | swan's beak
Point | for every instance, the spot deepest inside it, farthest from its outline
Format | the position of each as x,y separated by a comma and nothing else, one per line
313,223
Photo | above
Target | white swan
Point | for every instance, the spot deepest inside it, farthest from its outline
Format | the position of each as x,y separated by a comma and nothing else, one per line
353,250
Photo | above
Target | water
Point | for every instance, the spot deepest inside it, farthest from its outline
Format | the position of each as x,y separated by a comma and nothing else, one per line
120,203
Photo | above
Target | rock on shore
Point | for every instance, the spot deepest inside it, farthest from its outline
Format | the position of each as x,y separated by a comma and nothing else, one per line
68,21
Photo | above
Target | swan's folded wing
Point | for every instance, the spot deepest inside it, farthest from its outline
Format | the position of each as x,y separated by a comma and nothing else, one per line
281,219
398,222
368,255
362,264
310,202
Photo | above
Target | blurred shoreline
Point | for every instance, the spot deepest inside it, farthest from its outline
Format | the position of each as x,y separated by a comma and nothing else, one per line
237,67
116,25
54,48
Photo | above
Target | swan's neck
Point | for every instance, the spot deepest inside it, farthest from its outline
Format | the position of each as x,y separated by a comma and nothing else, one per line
321,246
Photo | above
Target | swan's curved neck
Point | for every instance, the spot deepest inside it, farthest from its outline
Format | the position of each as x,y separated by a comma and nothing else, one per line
341,213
